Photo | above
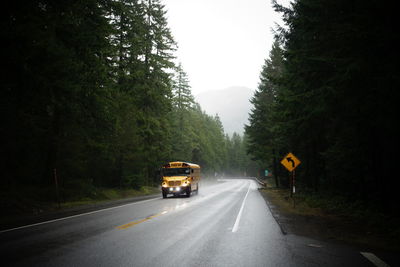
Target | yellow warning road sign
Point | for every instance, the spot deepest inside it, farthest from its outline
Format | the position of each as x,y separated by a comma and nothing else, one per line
290,162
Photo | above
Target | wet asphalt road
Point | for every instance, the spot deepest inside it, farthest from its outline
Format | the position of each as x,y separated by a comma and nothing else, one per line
227,224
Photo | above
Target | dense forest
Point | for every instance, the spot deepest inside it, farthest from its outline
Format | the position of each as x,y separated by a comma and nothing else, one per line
92,94
329,93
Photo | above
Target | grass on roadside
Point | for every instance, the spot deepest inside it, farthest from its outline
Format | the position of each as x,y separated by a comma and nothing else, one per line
29,200
107,194
281,198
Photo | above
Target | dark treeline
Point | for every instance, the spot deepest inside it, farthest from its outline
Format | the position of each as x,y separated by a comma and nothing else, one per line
90,89
329,94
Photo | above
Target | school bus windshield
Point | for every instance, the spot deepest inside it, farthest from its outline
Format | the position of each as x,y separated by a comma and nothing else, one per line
176,172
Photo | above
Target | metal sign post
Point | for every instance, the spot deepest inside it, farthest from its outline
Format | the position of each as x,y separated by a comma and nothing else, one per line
294,189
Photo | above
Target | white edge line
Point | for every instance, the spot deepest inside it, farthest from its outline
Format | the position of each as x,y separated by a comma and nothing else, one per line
74,216
236,225
374,259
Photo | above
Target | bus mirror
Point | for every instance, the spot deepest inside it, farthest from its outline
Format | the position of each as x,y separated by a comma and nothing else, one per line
192,171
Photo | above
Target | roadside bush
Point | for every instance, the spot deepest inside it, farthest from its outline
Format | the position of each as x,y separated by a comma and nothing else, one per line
78,190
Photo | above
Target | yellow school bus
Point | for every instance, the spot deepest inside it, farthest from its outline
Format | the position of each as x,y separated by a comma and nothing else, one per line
180,178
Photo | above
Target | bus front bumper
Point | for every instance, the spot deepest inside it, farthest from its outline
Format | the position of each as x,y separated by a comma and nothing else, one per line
174,190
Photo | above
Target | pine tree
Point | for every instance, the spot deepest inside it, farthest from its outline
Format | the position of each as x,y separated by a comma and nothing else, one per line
154,92
338,77
263,130
182,95
183,102
56,85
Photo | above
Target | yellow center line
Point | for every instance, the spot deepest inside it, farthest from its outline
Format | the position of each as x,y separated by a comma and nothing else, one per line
125,226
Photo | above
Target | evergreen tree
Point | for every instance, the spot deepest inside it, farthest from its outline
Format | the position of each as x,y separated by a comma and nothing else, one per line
183,102
264,130
89,92
153,94
182,95
335,100
56,57
127,21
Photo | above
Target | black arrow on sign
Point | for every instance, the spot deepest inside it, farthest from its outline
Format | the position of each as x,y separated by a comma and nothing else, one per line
289,159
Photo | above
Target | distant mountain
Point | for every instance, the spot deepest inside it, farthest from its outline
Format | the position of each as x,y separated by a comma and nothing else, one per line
231,104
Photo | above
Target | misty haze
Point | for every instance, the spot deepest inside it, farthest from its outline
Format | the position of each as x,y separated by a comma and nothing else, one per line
231,104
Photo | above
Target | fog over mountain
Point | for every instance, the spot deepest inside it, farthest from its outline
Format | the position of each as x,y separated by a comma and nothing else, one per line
231,104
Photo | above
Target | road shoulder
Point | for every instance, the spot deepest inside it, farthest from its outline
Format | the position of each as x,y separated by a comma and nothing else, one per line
18,221
322,226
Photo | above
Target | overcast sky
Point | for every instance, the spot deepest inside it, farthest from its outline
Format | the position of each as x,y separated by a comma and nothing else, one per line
222,43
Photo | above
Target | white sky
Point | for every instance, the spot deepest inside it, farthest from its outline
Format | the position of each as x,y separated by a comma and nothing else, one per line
222,43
